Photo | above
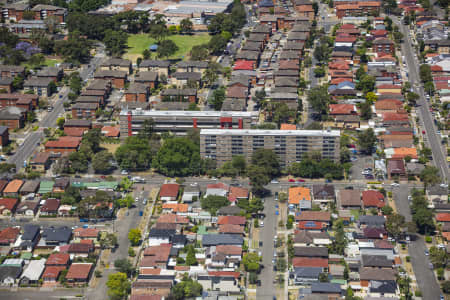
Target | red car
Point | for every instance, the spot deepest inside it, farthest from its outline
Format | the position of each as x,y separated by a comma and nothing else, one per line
423,131
351,146
301,180
291,180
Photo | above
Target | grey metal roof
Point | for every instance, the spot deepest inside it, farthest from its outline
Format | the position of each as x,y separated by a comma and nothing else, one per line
30,232
35,81
372,220
376,261
307,272
221,239
154,63
192,63
9,271
325,287
311,251
59,234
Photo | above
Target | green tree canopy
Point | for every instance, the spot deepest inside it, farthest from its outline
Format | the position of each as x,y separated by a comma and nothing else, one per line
101,162
186,288
178,157
268,160
134,154
134,235
319,99
118,286
167,48
212,203
367,140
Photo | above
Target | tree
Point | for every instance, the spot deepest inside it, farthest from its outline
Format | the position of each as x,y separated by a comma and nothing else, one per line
18,82
387,210
178,157
251,262
239,163
430,176
211,74
268,160
28,15
217,98
75,83
199,52
190,257
340,241
371,97
281,113
186,26
412,98
123,265
118,286
134,235
438,257
60,122
366,84
212,203
78,162
281,264
158,29
167,48
36,60
315,6
187,288
75,49
366,110
321,52
217,44
146,54
425,73
367,140
319,99
101,162
395,225
258,178
429,87
108,240
319,72
360,72
446,287
134,154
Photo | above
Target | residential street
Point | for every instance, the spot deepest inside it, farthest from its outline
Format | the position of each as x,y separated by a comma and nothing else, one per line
424,276
423,109
32,141
267,289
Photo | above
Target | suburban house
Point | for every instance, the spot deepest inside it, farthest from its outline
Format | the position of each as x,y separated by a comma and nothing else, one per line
179,95
50,207
299,198
27,208
41,162
4,136
150,79
137,92
192,66
79,273
13,187
32,272
169,192
53,73
349,199
64,144
323,193
8,206
82,110
118,78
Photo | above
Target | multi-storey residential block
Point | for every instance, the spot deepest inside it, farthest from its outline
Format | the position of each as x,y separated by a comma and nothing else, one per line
290,145
179,122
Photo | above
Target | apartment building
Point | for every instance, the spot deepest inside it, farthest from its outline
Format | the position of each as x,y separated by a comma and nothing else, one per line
290,145
179,121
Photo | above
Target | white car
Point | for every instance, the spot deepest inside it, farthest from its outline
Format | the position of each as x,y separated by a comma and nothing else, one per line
443,185
274,181
124,172
261,224
395,184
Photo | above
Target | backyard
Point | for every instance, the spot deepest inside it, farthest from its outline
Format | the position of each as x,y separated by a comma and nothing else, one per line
137,43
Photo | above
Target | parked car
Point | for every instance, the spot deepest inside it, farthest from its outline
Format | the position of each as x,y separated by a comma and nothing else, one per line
291,180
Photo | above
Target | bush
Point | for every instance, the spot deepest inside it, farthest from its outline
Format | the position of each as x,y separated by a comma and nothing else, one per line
418,293
255,223
408,258
428,239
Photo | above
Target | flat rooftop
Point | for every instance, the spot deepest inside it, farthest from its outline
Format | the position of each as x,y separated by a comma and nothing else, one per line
262,132
188,7
184,113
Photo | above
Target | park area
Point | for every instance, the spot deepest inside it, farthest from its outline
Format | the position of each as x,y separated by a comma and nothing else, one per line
137,43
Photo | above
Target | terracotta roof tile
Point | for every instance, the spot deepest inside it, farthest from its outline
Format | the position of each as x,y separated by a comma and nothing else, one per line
79,271
310,262
52,272
373,199
236,220
299,193
13,186
169,190
58,259
443,217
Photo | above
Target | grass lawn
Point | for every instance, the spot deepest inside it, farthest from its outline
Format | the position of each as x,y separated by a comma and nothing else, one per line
50,62
137,43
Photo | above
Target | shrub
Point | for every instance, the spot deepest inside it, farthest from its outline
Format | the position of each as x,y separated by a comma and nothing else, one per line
428,239
408,258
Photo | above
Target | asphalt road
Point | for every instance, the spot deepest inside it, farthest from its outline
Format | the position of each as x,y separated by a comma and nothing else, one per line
424,276
49,121
38,294
439,158
267,288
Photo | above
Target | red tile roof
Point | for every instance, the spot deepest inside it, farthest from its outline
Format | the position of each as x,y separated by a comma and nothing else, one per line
149,271
79,271
52,272
347,26
231,228
345,39
237,193
13,186
389,86
342,109
8,203
86,232
58,259
70,142
373,199
436,68
310,262
111,131
339,80
74,131
243,65
160,253
224,274
322,216
379,32
169,190
443,217
50,205
388,104
9,235
395,117
236,220
229,249
219,185
173,218
79,248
